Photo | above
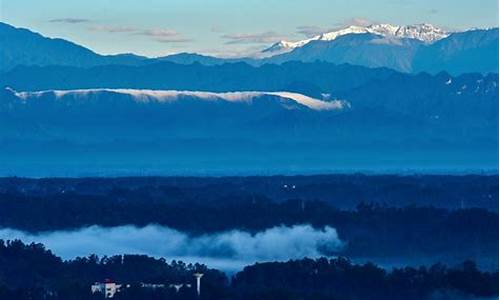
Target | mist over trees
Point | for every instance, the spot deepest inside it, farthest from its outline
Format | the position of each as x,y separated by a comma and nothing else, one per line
199,206
370,230
377,217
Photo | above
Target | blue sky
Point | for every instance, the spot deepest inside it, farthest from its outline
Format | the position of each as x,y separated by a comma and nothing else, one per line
225,27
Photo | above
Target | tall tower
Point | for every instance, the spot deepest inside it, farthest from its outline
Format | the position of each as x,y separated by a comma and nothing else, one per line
198,282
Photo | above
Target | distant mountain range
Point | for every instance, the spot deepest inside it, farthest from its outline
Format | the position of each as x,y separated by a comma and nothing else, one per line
341,103
396,121
415,48
311,79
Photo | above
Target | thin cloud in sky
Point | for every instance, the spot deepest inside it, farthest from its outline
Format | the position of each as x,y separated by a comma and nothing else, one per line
164,35
69,20
359,22
311,31
112,28
356,22
158,32
253,38
173,40
161,35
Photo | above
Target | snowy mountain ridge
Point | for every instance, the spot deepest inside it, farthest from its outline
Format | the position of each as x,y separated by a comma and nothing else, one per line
426,33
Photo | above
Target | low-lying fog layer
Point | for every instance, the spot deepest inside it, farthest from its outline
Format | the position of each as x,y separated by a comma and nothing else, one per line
228,251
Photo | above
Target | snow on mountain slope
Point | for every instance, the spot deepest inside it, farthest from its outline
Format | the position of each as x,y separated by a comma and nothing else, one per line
424,32
171,95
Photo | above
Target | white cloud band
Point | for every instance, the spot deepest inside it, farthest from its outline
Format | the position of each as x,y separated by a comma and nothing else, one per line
171,95
228,250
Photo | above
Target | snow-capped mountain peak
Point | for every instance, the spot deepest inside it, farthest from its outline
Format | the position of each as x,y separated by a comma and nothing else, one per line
353,29
285,46
426,33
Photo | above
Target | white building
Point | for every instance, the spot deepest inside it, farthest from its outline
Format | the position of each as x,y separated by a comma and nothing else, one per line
108,288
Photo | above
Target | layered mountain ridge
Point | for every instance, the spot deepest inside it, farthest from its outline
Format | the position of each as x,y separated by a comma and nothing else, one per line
360,101
410,49
402,121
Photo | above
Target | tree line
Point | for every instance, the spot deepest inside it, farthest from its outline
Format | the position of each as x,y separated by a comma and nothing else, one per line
29,271
369,230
